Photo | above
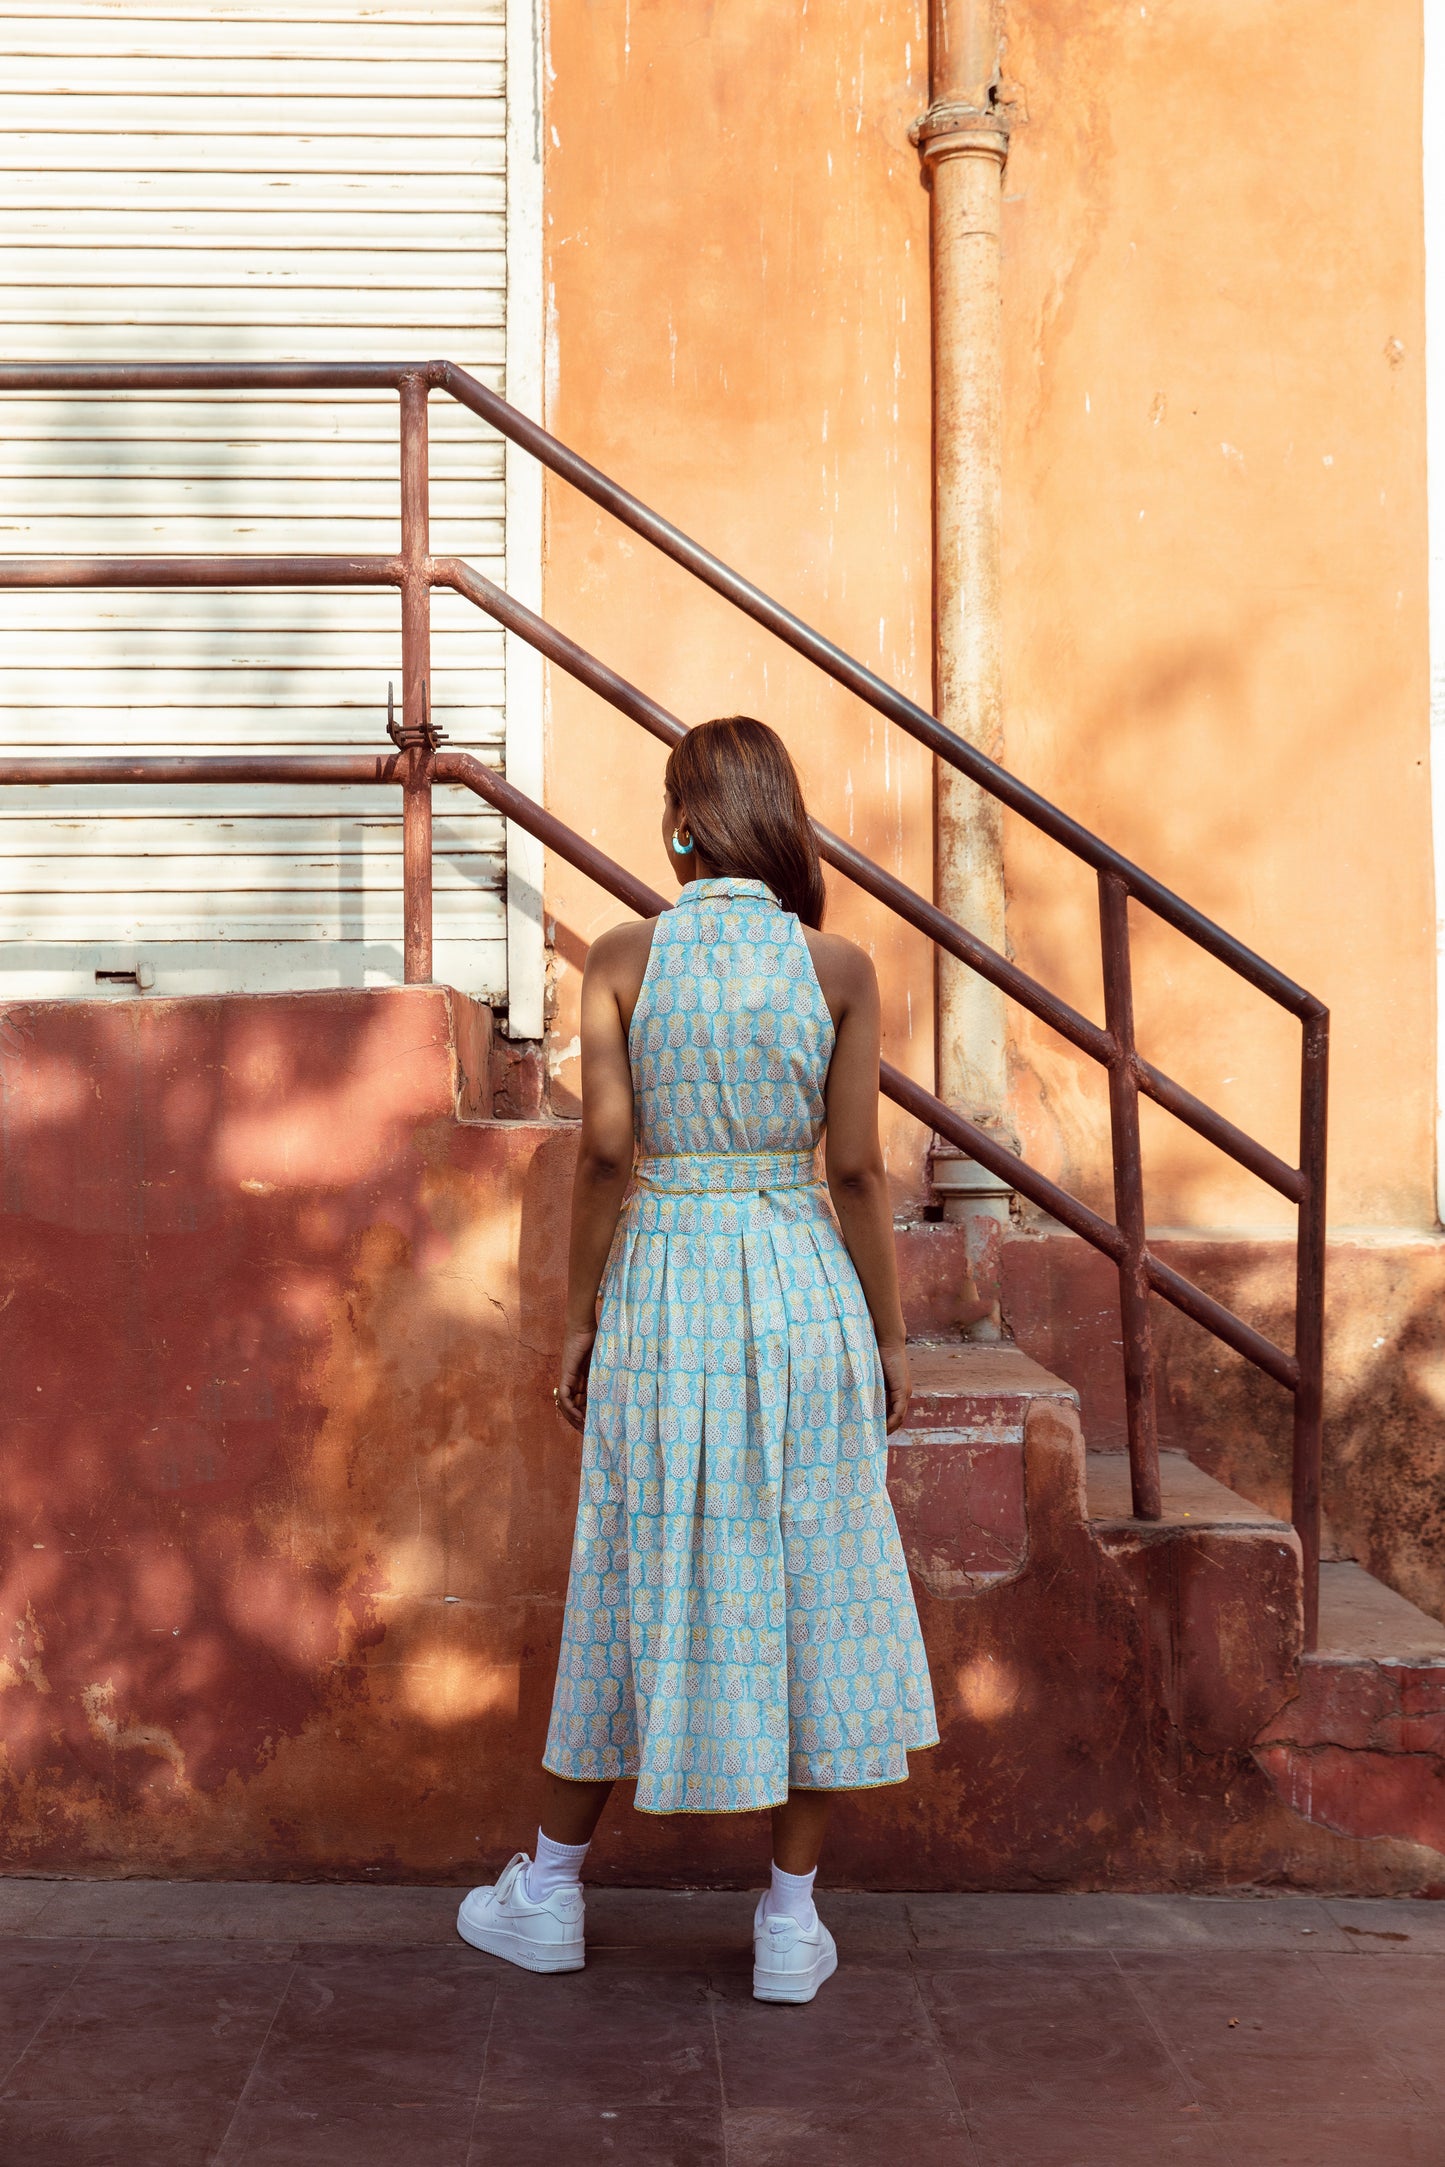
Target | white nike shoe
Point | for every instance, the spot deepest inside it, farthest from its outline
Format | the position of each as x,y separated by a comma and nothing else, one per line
790,1962
505,1921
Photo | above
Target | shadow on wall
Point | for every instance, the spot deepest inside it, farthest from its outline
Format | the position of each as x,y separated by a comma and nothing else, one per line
288,1509
1384,1387
287,1503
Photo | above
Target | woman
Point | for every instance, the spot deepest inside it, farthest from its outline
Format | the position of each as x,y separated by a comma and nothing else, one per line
740,1632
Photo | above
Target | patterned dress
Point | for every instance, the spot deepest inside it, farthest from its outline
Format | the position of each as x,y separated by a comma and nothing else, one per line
739,1617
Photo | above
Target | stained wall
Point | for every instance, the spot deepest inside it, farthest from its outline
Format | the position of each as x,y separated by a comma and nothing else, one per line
287,1514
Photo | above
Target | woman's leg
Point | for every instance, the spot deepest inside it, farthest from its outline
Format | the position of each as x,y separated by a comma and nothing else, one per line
571,1811
798,1830
793,1952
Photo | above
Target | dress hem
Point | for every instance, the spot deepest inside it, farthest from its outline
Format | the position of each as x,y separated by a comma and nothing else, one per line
761,1805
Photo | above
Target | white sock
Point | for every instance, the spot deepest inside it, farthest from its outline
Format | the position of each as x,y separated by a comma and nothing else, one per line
556,1866
791,1896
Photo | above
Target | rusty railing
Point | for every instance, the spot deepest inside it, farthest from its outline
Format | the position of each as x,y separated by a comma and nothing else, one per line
420,761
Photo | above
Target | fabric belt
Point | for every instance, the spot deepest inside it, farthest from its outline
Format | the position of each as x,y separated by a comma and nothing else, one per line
725,1173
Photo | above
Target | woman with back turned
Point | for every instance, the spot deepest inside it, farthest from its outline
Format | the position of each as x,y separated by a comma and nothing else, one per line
740,1631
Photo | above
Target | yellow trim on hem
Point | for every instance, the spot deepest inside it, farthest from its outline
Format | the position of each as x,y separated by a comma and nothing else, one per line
766,1805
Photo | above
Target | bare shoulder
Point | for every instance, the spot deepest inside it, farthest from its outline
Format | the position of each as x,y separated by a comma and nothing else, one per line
622,950
845,971
617,960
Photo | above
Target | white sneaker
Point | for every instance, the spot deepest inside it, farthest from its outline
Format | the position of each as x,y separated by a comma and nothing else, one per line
505,1922
790,1962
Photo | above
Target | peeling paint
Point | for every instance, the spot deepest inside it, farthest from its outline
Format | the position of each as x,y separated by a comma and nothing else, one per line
98,1702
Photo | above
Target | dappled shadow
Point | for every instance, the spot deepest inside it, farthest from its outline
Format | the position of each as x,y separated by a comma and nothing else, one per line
1384,1389
288,1507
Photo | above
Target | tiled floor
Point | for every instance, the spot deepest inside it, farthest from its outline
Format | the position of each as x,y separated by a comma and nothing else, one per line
145,2024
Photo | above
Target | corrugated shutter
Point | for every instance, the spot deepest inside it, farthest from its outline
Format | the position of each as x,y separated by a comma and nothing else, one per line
270,181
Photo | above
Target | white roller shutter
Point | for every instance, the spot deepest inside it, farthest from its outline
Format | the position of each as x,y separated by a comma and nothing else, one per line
273,181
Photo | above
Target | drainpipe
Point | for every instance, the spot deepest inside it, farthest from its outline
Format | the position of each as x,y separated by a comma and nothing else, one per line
963,142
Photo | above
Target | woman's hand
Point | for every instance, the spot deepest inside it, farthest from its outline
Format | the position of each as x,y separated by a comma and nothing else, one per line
897,1384
571,1394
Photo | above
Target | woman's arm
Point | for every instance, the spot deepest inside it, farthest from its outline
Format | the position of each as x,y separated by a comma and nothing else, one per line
853,1156
604,1156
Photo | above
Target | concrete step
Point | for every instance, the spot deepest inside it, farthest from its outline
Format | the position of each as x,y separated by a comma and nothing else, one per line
956,1474
1363,1621
1359,1746
940,1299
1189,1496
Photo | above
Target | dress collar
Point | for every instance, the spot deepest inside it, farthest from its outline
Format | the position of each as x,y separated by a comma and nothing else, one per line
707,891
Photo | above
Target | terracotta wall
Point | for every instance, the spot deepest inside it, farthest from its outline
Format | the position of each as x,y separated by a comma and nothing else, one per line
287,1513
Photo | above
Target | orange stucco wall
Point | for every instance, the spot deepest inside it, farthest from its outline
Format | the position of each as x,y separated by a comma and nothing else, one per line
1214,626
1215,568
737,278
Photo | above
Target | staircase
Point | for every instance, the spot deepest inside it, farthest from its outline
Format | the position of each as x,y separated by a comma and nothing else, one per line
290,1510
419,762
278,1355
1185,1632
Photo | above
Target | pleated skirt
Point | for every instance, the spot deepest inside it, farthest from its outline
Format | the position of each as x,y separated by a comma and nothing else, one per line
739,1617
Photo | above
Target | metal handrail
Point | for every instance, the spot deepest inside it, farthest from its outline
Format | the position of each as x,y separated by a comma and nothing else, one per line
419,762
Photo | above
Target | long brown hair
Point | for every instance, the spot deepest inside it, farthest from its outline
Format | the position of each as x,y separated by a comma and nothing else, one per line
744,805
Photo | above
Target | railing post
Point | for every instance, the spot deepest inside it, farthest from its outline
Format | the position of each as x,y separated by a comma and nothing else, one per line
417,737
1129,1201
1309,1330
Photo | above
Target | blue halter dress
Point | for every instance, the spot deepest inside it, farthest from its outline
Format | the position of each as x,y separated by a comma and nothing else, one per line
739,1618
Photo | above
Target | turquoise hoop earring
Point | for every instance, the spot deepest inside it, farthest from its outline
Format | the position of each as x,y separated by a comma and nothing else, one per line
683,850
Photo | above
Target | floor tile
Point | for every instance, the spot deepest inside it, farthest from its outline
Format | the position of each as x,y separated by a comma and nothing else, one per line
1389,1925
1256,2031
33,1976
1055,2029
832,2140
404,1918
865,2040
270,2132
1056,2137
1292,1923
393,2025
658,1918
1081,2031
20,1902
708,1927
599,2038
631,2136
868,1929
134,2022
107,2133
277,1912
983,1924
1310,2139
1400,2003
351,1949
135,1910
669,1930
